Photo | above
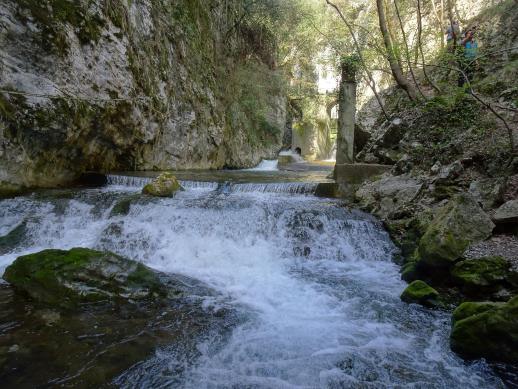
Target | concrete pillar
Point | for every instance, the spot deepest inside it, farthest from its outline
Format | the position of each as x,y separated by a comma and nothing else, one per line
346,114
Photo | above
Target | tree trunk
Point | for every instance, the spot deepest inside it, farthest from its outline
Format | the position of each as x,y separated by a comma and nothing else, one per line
420,46
394,66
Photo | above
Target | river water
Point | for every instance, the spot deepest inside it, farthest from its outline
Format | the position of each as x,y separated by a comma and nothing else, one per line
313,283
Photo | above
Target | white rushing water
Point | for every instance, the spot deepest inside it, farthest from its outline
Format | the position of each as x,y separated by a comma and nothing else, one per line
313,282
266,165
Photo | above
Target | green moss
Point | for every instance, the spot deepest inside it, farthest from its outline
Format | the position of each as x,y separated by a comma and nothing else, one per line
122,207
165,185
486,330
420,292
53,15
473,308
480,273
66,278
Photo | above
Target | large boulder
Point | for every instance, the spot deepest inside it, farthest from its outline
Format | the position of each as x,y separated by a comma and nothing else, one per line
507,213
67,278
387,195
165,185
457,225
486,330
419,292
84,317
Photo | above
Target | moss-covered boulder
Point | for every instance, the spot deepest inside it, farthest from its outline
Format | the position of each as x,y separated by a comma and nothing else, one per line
419,292
477,275
165,185
67,278
457,225
486,330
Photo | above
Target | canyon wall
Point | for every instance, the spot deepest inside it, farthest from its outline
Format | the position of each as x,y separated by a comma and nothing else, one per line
100,85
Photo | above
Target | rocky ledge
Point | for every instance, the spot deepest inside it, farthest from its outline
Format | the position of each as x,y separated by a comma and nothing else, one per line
82,317
458,245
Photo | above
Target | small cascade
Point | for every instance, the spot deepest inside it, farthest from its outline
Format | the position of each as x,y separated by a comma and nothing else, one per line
265,166
207,185
276,187
128,181
305,188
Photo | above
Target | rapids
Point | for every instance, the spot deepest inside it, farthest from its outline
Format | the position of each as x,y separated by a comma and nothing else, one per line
313,283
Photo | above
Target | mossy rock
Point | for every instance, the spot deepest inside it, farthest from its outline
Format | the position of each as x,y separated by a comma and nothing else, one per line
486,330
165,185
475,274
8,190
468,309
123,206
66,278
13,238
419,292
460,223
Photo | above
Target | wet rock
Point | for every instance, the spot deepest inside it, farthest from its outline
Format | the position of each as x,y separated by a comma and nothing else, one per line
488,192
486,330
122,206
419,292
13,238
165,185
68,278
90,343
457,225
477,276
507,213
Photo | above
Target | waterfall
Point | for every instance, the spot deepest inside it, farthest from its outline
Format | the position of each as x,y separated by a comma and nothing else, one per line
225,187
314,286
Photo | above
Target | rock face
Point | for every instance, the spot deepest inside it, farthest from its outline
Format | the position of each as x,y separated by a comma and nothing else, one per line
83,317
165,185
486,330
67,278
457,225
139,85
419,292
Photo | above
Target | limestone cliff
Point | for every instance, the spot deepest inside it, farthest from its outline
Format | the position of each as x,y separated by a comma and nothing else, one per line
131,85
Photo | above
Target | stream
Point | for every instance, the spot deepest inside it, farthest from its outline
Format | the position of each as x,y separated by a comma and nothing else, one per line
313,283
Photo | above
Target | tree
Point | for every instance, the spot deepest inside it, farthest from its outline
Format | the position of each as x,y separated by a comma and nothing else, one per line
395,68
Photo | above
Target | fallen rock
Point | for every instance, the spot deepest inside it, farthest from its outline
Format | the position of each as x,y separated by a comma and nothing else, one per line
165,185
457,225
486,330
507,213
419,292
68,278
